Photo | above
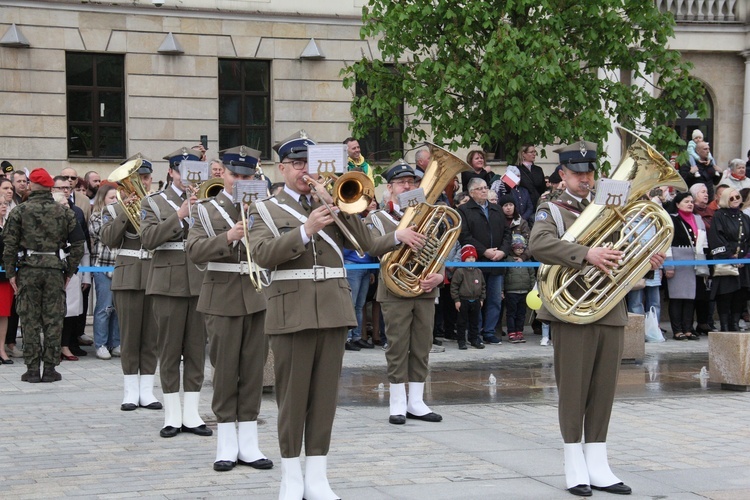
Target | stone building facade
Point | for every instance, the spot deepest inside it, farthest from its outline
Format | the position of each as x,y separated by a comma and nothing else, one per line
179,65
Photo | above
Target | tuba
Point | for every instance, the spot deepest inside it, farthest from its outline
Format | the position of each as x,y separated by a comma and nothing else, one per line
129,184
402,269
639,228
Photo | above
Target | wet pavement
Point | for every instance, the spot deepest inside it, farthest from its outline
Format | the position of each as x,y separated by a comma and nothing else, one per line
524,374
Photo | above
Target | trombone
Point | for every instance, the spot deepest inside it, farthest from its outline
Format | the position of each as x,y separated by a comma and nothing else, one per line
352,193
258,276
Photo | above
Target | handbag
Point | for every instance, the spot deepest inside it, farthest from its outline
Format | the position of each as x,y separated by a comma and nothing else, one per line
726,270
729,269
701,269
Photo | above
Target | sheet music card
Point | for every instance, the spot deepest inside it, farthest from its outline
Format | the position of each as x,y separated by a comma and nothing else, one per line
194,172
249,191
612,193
411,198
327,159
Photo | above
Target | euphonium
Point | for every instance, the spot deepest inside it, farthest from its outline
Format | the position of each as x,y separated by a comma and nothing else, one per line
129,184
639,228
402,269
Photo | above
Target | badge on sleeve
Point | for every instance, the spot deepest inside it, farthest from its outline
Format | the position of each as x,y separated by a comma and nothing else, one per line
143,215
541,215
190,221
106,218
250,220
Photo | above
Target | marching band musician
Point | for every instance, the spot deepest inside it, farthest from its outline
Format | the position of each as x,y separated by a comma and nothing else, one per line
234,313
308,313
138,330
408,321
174,284
587,357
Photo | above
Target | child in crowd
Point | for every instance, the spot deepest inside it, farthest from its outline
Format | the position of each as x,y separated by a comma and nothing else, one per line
692,155
468,292
518,283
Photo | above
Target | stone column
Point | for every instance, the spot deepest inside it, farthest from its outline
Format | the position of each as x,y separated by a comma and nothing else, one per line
746,105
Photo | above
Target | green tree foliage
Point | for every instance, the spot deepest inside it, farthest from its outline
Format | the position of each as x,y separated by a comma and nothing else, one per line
520,71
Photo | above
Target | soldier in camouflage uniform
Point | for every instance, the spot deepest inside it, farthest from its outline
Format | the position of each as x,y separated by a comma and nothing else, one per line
34,234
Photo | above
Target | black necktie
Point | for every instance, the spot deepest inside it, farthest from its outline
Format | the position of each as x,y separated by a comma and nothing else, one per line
305,203
585,202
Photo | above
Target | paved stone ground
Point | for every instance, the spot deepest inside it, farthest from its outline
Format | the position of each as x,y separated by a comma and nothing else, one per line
69,439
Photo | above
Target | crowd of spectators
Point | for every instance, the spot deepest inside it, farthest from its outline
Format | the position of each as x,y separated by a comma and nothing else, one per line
712,218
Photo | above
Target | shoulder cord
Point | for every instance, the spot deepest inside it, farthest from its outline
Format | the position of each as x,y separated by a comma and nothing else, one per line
303,219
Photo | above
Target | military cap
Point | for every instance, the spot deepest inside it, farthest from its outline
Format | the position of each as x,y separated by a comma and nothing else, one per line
398,169
579,156
7,167
241,160
41,177
146,166
182,154
294,146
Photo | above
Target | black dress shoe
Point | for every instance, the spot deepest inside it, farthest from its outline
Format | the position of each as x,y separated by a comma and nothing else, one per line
582,490
351,346
201,430
128,406
169,431
7,361
429,417
223,465
261,463
153,406
78,352
397,419
617,489
50,374
363,344
31,376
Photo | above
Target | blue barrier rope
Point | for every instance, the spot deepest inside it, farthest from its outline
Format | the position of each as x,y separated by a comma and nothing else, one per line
668,263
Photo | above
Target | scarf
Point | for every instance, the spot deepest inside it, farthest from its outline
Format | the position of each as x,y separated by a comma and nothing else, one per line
689,219
736,177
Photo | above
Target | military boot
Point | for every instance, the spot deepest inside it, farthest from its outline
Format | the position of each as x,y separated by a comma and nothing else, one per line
50,375
32,375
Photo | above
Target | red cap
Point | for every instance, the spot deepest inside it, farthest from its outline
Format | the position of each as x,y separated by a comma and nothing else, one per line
41,177
468,251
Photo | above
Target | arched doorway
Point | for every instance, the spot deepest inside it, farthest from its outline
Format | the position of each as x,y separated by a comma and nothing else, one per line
689,121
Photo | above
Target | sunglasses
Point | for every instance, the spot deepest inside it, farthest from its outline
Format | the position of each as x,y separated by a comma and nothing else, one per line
735,198
70,177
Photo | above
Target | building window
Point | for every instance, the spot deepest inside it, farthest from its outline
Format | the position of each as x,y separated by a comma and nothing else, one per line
377,148
95,85
245,105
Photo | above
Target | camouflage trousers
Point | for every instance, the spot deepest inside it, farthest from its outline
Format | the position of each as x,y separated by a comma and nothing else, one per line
41,309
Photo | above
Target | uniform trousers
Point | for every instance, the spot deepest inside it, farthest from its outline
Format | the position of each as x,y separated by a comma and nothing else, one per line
41,308
307,365
182,332
237,349
138,331
587,362
409,325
